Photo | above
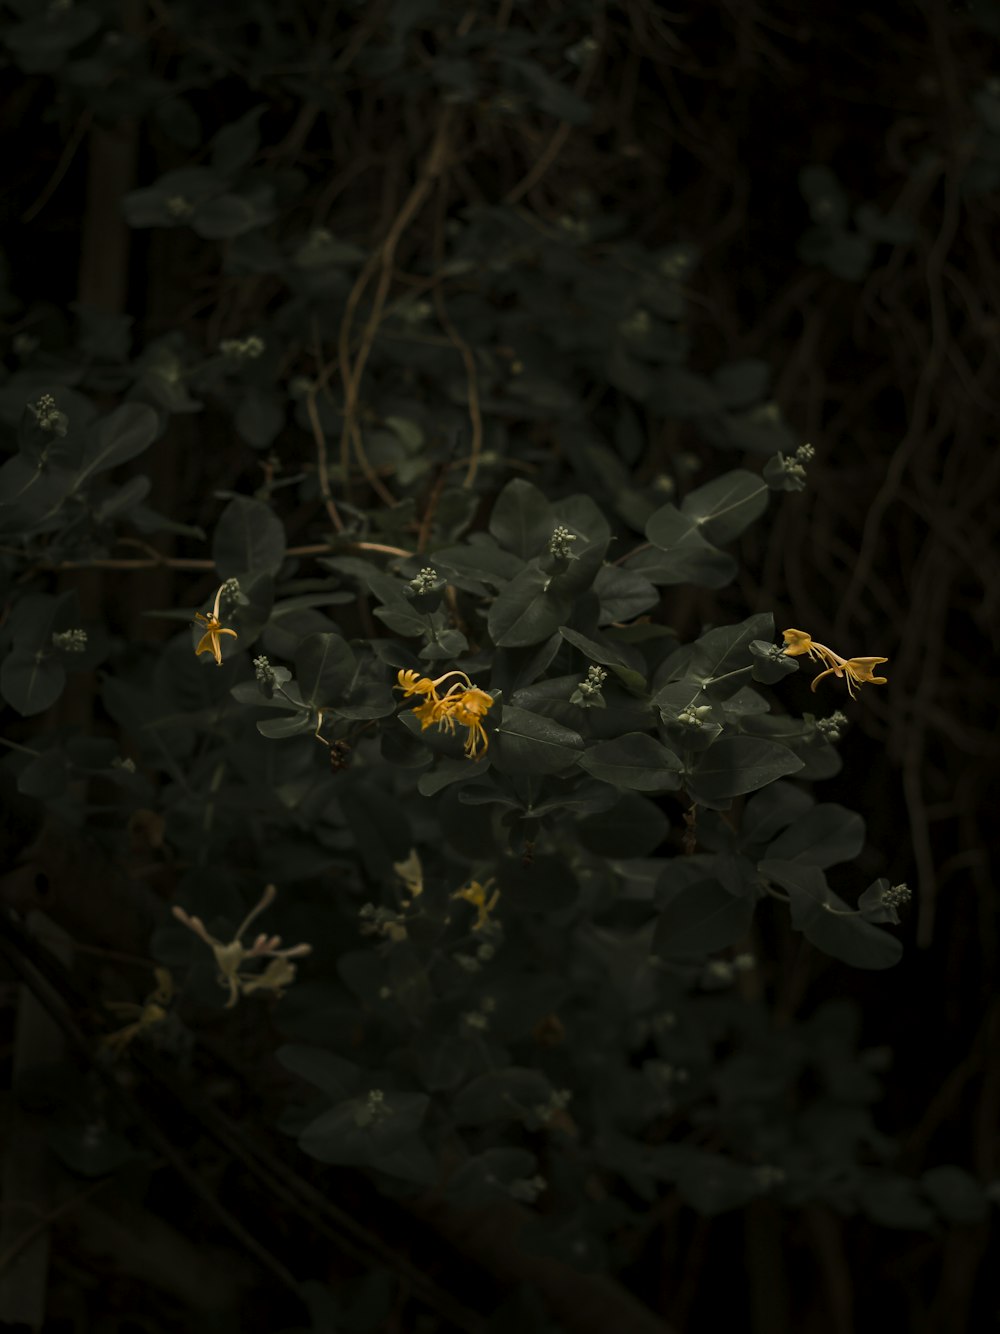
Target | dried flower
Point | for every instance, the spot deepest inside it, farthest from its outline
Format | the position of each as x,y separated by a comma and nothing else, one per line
231,955
152,1011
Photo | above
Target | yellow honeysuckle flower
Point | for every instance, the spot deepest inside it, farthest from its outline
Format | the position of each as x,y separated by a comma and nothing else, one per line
464,704
856,671
469,709
798,642
210,640
476,894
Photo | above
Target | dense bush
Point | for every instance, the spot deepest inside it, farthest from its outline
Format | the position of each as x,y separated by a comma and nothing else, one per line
427,792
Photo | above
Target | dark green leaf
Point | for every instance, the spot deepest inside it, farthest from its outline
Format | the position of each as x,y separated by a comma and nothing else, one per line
702,919
825,919
324,669
528,741
337,1078
31,682
634,761
521,520
736,764
633,827
502,1095
724,507
528,610
546,884
249,538
956,1194
120,436
823,836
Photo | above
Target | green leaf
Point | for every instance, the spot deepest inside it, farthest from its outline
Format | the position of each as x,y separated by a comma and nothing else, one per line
633,827
956,1194
31,682
236,145
684,556
741,383
770,811
343,1136
529,742
47,775
521,520
724,507
480,562
487,1178
120,436
702,919
823,836
337,1078
324,669
293,724
249,538
634,761
894,1202
528,610
736,764
726,650
501,1095
545,885
259,417
826,921
228,215
623,594
767,669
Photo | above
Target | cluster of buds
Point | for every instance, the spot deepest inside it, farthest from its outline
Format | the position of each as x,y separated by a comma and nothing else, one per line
373,1111
231,955
561,542
479,1020
178,207
830,728
424,581
242,349
789,474
462,703
48,416
379,921
856,671
721,972
70,641
588,692
897,896
694,715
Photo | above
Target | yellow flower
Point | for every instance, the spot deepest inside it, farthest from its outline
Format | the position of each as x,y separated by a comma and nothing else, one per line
464,704
470,708
798,642
476,894
209,642
230,955
855,671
